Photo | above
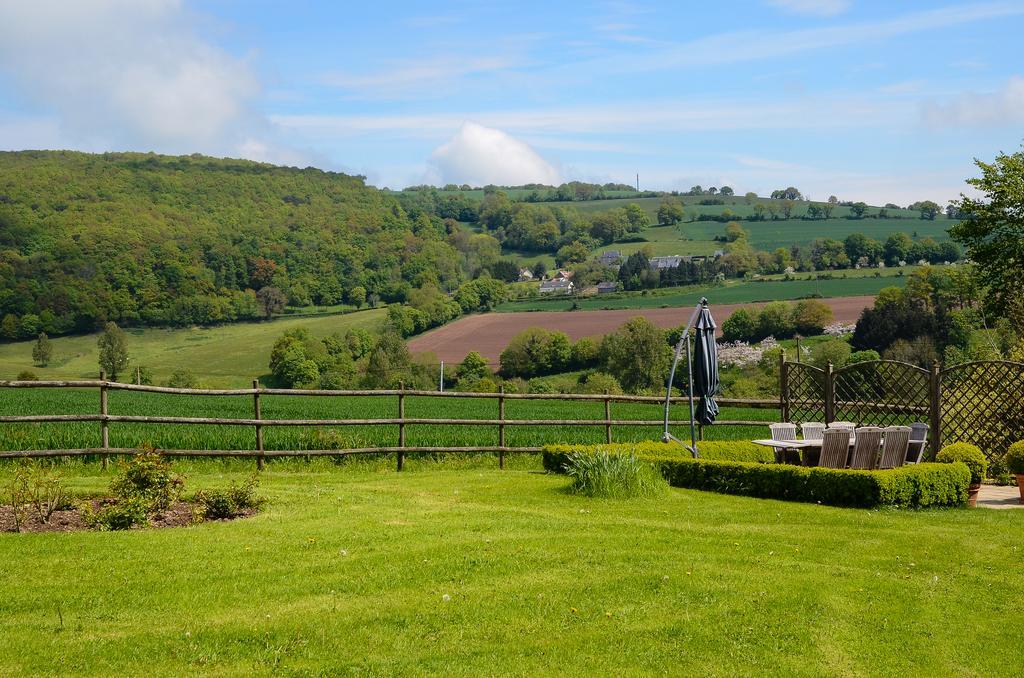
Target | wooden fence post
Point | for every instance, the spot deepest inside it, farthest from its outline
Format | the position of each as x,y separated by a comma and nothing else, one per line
935,409
138,375
104,426
501,426
783,387
401,424
830,393
607,418
257,415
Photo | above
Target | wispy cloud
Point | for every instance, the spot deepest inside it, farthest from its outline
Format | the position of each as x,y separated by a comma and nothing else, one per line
976,109
742,46
411,78
812,7
656,116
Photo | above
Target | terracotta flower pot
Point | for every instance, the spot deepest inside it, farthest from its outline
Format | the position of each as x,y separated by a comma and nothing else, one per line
1020,486
972,494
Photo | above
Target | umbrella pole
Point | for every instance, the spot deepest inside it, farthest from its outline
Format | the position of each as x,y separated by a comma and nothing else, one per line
666,436
689,374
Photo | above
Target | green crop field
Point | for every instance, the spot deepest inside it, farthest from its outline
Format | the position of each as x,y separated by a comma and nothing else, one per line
734,293
462,569
698,237
86,401
227,355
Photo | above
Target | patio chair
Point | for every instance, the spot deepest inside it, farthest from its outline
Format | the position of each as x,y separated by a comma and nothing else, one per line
918,441
865,447
812,430
894,446
835,447
782,432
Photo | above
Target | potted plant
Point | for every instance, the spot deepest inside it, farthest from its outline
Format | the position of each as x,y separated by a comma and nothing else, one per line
974,458
1014,461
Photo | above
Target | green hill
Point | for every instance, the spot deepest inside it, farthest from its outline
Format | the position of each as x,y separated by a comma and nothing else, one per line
145,239
222,356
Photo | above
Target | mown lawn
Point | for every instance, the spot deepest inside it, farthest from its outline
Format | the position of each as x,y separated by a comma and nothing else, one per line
474,571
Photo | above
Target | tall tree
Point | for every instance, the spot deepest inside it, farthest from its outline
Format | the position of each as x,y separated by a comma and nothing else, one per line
992,231
42,350
113,346
271,300
637,355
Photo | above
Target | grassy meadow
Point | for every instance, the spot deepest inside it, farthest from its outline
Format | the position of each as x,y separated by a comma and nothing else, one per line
222,356
698,237
733,292
461,569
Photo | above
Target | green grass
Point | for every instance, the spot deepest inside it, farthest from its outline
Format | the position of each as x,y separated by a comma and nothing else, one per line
482,572
223,356
85,401
698,237
740,292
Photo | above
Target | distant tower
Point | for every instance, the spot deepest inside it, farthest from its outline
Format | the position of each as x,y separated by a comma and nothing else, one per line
637,182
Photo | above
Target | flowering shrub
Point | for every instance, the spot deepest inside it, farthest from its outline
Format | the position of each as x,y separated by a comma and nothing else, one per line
742,354
839,329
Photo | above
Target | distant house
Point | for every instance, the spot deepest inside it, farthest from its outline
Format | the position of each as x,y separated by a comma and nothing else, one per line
676,260
562,275
661,263
607,287
610,258
525,275
556,286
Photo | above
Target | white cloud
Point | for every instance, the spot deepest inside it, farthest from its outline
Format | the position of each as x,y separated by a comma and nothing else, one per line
130,74
979,109
812,7
481,155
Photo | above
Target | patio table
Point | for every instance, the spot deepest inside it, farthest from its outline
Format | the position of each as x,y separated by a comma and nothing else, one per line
798,445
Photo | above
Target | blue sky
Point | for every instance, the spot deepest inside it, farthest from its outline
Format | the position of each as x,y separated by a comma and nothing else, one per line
879,101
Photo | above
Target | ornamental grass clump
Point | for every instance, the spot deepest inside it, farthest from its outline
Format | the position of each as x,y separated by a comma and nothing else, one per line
613,476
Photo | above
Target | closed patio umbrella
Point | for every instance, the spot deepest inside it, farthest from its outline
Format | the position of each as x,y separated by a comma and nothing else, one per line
702,373
705,365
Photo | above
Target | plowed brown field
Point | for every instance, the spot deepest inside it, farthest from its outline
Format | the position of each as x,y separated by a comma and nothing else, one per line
489,334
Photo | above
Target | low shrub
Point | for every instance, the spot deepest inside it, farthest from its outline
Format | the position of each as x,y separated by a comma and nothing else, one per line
919,485
971,455
613,476
149,479
230,502
1014,458
38,488
122,515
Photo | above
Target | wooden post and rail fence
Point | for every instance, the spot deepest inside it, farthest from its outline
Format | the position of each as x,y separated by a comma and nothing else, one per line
880,392
259,423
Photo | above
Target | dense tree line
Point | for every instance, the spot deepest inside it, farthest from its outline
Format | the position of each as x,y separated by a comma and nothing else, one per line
143,239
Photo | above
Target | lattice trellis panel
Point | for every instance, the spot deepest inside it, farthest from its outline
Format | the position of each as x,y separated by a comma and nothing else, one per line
882,393
983,403
806,393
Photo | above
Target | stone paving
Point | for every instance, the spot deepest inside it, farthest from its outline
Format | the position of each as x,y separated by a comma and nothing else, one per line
999,497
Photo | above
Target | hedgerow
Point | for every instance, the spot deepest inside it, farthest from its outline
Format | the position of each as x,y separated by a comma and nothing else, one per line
721,450
917,486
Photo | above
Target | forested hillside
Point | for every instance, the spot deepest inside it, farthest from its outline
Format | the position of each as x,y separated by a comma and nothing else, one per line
157,240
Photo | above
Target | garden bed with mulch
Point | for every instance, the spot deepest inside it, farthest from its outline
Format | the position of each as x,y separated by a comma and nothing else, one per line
75,519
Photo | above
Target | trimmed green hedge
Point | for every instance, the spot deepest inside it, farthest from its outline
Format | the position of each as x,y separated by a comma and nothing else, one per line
916,485
719,450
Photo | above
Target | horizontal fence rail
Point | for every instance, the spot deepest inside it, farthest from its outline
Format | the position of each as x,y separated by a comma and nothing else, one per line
259,423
